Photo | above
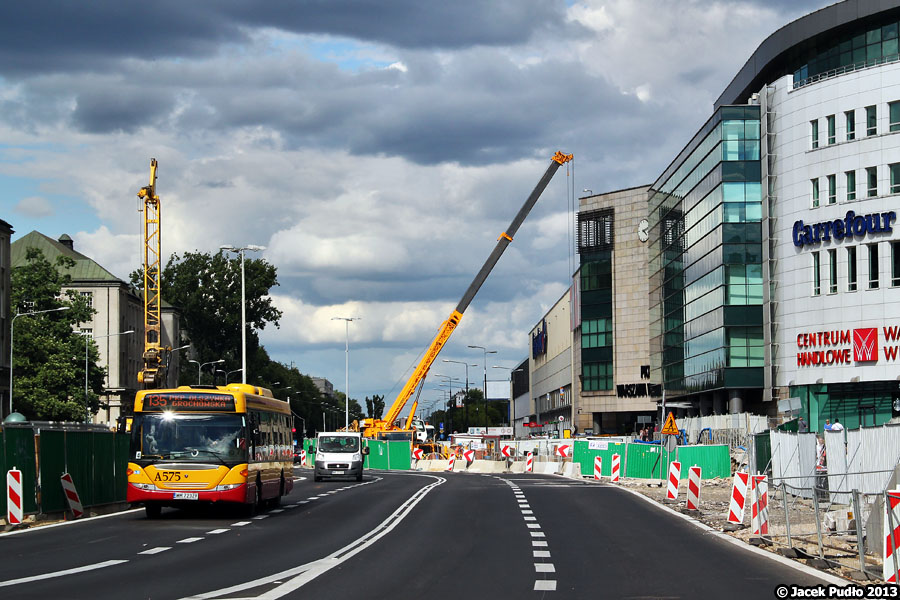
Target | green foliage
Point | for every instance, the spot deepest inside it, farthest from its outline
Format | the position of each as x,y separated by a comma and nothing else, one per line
48,356
375,406
479,414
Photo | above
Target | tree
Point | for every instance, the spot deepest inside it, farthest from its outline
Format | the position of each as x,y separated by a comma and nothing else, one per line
375,406
48,358
206,288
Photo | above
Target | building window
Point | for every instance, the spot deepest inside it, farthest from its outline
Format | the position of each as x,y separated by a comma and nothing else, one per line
832,271
851,185
745,347
597,376
596,333
851,124
871,120
817,281
895,263
814,129
873,266
851,269
88,297
832,189
815,192
871,181
894,109
831,133
895,178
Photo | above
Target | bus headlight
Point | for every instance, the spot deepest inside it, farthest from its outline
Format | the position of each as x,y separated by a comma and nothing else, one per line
227,486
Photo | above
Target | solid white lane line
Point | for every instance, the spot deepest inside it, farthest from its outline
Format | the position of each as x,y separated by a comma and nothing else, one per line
545,585
533,526
217,531
189,540
108,563
240,523
64,523
538,544
544,568
156,550
538,534
541,553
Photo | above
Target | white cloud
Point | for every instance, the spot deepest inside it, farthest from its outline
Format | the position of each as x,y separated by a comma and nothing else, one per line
34,206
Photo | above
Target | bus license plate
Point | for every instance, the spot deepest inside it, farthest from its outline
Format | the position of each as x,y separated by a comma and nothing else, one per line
186,496
337,472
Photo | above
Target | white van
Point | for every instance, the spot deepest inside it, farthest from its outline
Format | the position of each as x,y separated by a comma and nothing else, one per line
339,454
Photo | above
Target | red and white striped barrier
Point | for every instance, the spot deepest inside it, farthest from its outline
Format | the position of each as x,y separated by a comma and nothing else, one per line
529,462
891,536
564,450
506,451
417,453
693,489
303,458
452,462
469,455
674,477
71,495
759,508
598,467
14,513
738,497
614,475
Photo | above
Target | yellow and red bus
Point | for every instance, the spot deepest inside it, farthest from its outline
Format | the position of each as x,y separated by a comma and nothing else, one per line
197,444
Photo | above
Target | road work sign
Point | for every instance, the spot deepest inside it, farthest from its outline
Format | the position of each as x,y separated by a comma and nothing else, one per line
670,428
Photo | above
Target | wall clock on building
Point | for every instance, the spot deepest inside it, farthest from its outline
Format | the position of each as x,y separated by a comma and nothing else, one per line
643,230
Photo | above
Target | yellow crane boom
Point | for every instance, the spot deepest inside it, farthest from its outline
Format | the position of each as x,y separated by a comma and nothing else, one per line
374,428
153,373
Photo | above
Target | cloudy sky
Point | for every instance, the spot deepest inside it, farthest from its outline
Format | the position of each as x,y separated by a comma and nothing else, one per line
376,148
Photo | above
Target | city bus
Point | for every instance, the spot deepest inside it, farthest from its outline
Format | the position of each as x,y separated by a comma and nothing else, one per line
204,444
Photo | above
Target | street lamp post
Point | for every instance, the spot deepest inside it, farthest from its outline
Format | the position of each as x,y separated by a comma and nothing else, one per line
201,365
240,251
11,332
87,410
228,374
467,365
346,367
486,352
169,359
509,404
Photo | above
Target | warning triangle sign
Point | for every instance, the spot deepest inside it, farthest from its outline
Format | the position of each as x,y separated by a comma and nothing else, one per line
670,428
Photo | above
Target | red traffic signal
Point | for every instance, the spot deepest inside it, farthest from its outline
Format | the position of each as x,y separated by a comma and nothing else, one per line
293,430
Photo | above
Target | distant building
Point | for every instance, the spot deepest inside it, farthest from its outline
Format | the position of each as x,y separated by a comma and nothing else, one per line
550,367
6,231
521,399
326,388
118,308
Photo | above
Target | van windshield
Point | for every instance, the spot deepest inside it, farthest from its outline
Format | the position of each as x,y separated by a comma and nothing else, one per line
338,443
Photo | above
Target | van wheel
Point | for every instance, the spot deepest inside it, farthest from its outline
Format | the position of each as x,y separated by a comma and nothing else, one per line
359,477
317,478
153,510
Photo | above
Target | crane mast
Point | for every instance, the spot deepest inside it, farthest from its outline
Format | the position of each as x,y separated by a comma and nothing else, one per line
153,373
371,428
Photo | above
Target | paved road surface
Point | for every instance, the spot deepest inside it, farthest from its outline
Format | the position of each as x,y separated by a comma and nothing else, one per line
397,536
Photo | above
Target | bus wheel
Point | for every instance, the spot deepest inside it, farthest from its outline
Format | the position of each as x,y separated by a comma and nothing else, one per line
153,510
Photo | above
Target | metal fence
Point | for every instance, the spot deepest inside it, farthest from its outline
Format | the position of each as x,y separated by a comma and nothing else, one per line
861,459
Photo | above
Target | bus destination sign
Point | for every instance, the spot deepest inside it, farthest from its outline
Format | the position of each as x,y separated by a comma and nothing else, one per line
188,402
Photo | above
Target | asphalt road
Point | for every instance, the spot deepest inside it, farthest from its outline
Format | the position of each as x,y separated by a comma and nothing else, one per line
396,535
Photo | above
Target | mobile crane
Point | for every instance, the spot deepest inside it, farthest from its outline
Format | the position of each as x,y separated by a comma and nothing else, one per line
156,355
386,428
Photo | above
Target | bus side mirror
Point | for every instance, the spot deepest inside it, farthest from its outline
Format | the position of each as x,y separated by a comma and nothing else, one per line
365,450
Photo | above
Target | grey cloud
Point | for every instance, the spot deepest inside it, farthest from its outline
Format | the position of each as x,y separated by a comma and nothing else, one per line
119,108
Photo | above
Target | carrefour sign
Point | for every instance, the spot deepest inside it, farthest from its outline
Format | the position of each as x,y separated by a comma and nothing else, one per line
851,225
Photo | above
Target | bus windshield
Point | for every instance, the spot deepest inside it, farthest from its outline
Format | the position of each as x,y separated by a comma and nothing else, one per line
189,437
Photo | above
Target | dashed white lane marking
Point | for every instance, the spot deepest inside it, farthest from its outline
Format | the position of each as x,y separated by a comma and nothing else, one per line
533,526
527,512
108,563
544,568
277,510
538,534
312,498
240,523
531,518
156,550
292,505
545,585
541,553
217,531
260,517
303,502
189,540
538,544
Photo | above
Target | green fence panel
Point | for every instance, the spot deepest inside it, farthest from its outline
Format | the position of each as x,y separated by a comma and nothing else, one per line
763,445
378,455
79,461
583,454
646,461
122,443
310,456
53,465
103,476
19,445
715,461
399,455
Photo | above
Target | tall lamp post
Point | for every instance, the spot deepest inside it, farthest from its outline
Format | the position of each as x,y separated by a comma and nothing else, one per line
87,336
346,367
169,359
509,404
228,374
11,332
486,352
240,251
201,365
459,362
